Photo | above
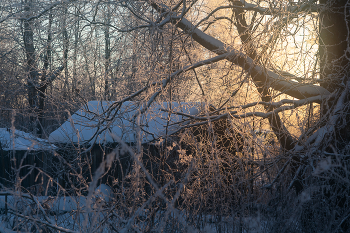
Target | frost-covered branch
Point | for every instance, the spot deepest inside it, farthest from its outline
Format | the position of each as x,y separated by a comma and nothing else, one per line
314,141
300,7
167,80
18,15
277,106
56,227
258,73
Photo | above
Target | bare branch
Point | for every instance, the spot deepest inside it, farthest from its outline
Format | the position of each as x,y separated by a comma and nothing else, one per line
166,81
257,72
42,222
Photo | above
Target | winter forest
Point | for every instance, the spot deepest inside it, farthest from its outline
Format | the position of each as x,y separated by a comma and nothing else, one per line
174,116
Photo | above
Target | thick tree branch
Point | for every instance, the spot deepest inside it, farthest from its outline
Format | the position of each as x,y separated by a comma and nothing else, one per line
276,124
258,73
278,107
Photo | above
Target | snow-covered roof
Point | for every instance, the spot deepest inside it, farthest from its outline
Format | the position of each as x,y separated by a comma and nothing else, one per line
93,124
19,140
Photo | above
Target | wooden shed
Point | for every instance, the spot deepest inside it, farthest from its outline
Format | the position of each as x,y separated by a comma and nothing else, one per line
99,127
24,160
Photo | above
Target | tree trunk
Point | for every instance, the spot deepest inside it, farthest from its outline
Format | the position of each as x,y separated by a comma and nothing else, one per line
276,124
107,52
333,44
334,60
65,52
75,53
31,67
43,82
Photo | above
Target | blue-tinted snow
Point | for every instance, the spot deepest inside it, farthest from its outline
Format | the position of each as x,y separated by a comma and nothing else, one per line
92,124
19,140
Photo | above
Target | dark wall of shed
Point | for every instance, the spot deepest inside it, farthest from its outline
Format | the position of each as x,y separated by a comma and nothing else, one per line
28,171
76,167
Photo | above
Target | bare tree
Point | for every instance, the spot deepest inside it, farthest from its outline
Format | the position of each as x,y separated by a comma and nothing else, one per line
107,51
270,146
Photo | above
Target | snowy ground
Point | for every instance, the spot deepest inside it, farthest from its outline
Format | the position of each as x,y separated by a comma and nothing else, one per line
93,214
